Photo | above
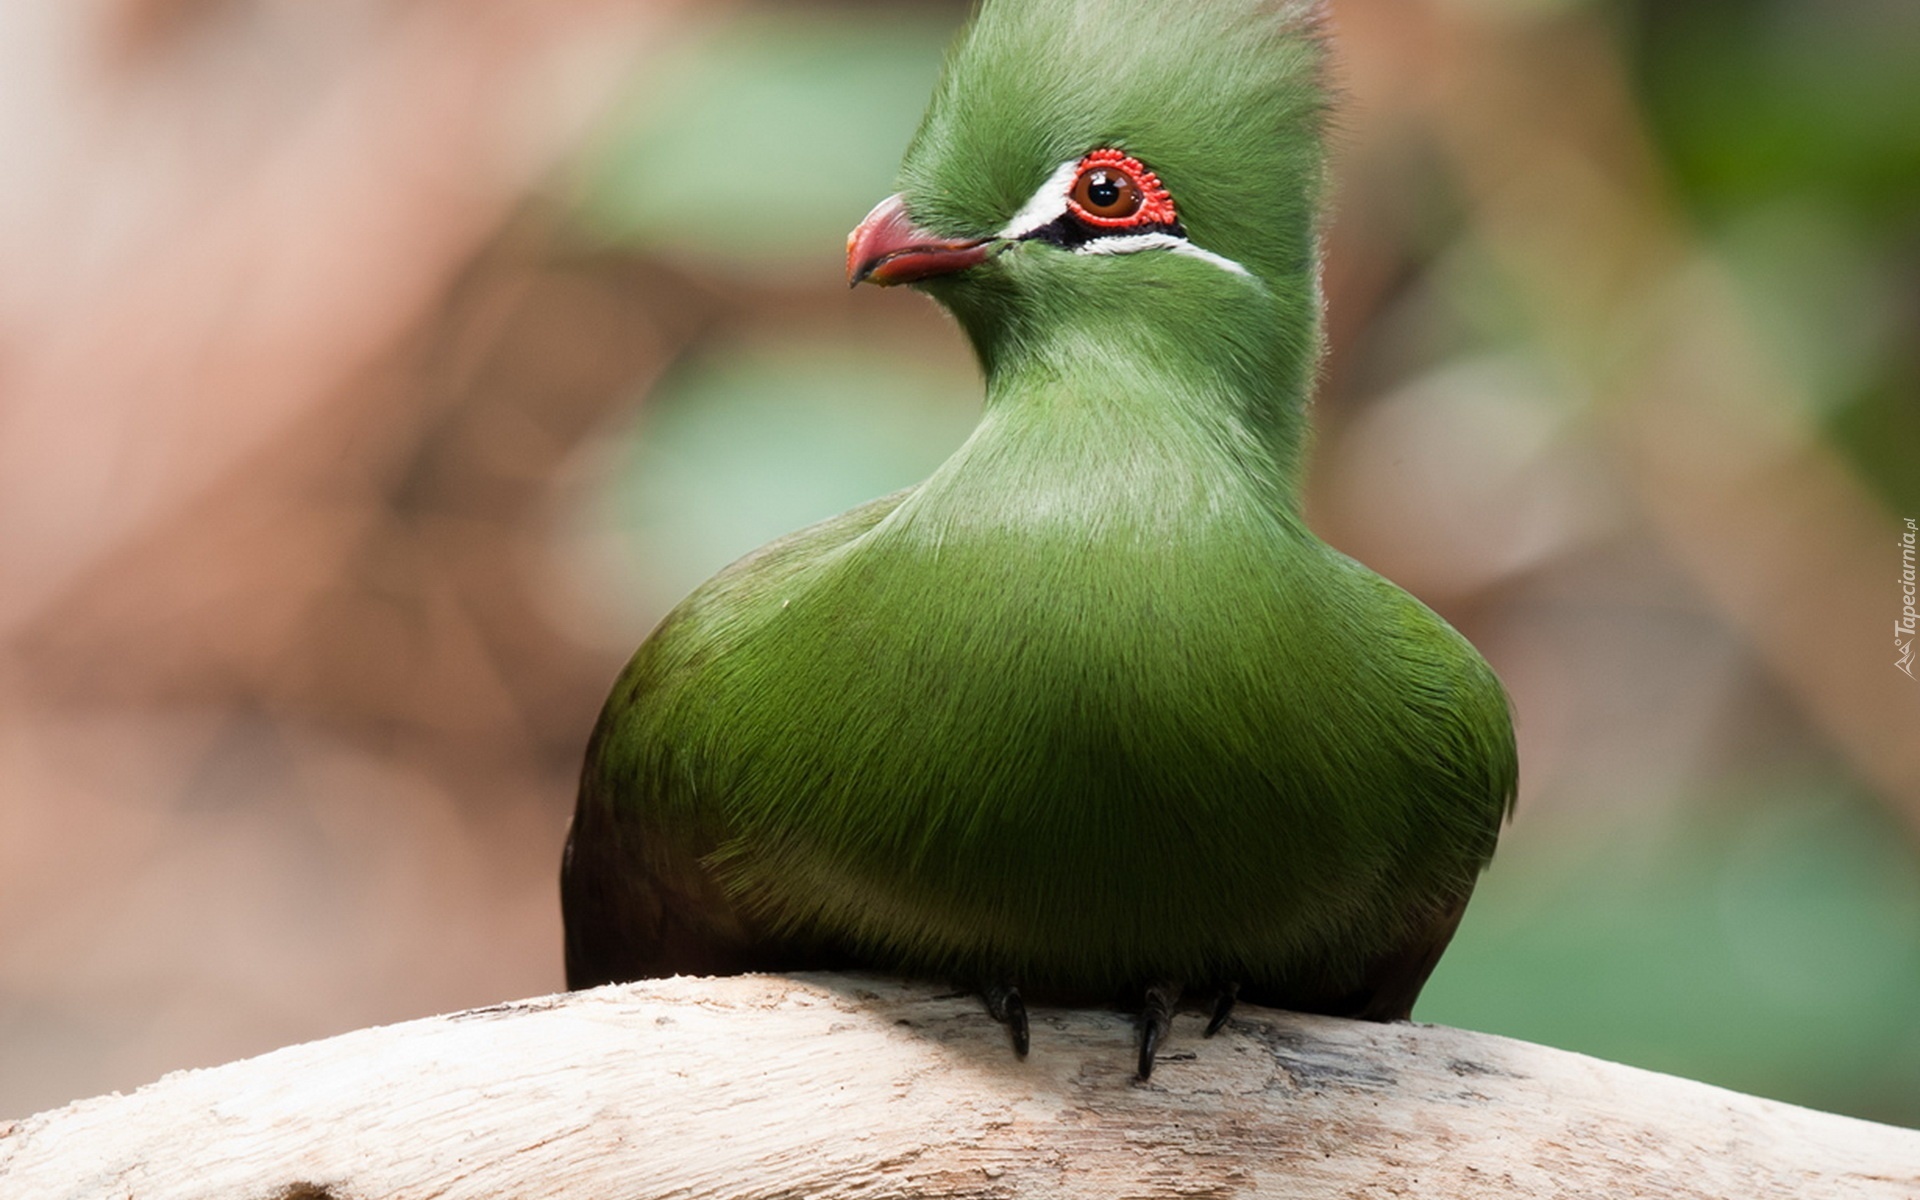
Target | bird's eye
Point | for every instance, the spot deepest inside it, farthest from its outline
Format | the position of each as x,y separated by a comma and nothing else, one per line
1113,190
1107,192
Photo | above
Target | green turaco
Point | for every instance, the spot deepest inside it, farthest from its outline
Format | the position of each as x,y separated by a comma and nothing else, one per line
1089,715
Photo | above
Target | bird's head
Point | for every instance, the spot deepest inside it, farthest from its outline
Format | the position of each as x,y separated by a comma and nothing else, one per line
1110,168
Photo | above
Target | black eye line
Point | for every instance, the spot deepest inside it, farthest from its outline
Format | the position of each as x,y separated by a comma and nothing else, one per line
1070,232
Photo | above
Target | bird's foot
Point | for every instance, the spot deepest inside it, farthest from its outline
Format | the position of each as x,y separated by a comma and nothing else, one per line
1156,1021
1223,1001
1005,1006
1157,1005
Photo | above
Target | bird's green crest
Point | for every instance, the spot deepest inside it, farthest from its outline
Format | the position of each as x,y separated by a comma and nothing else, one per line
1224,99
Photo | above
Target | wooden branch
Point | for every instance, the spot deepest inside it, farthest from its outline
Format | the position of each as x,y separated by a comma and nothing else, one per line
841,1086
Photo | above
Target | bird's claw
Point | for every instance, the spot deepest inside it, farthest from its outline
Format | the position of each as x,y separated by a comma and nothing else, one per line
1223,1001
1158,1000
1005,1005
1156,1020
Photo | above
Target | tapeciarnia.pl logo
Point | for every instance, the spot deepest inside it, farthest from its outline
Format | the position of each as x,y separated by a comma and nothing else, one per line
1903,627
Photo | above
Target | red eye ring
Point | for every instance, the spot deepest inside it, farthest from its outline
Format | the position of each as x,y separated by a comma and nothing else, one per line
1155,208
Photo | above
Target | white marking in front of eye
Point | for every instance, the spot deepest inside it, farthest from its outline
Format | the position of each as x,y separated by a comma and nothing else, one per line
1046,205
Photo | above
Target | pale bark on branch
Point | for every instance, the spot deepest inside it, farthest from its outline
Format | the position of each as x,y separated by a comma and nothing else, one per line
852,1086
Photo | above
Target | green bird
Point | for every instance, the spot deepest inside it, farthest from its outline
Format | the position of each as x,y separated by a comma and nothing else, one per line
1089,715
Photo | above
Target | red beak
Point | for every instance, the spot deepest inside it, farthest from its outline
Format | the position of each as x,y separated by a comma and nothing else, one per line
888,248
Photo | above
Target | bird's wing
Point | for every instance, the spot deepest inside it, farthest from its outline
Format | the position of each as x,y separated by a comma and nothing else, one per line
636,893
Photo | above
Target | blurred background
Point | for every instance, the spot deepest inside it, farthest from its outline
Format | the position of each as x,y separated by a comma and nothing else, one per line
374,374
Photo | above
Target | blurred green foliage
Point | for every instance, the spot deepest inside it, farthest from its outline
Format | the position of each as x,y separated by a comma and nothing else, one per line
1793,131
1768,943
762,142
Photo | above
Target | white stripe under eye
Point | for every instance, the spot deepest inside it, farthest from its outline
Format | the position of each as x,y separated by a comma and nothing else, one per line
1131,242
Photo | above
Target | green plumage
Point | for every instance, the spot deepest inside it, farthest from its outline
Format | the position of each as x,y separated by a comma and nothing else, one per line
1090,707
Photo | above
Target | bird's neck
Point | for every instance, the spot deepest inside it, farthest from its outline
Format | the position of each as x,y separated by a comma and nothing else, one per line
1230,389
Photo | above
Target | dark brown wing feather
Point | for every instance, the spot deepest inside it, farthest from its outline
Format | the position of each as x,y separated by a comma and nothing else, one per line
638,905
1390,982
